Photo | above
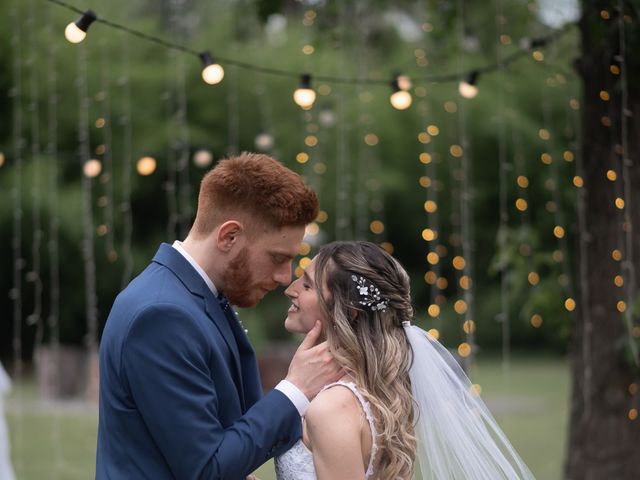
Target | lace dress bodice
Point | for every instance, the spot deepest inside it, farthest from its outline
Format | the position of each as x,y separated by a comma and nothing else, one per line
297,462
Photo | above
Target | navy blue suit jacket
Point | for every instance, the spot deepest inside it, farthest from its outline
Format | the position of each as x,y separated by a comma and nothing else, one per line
180,395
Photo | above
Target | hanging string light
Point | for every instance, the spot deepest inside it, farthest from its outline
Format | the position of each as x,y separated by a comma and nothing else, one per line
127,160
400,97
464,264
16,292
343,167
212,72
53,243
104,124
628,269
561,255
34,274
584,241
145,166
468,87
77,31
304,95
88,254
264,140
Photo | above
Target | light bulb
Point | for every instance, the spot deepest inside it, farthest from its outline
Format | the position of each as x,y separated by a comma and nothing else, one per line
467,90
401,99
304,95
73,34
264,141
326,117
146,166
467,87
92,168
212,72
202,158
77,31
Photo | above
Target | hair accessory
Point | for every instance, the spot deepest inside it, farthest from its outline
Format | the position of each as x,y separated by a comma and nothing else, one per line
370,294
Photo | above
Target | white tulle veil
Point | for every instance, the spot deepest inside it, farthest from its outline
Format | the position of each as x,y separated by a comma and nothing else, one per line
458,438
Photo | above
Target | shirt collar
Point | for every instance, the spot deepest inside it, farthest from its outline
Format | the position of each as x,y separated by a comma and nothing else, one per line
178,246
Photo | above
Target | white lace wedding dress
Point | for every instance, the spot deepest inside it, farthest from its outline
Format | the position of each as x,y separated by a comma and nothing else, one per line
297,462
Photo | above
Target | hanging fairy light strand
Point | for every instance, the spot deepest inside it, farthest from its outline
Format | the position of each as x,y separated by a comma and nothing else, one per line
233,116
628,227
34,274
584,239
53,243
127,161
463,264
16,241
170,185
182,132
343,227
104,124
503,215
431,233
561,255
91,297
213,71
368,141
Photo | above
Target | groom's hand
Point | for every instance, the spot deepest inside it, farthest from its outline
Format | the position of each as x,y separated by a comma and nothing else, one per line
313,366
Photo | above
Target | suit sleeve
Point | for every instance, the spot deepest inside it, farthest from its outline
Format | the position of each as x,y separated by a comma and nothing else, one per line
166,361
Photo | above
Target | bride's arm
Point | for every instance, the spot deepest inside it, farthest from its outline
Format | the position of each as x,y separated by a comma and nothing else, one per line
333,423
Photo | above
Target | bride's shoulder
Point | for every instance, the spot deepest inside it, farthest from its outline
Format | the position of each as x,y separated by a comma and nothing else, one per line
337,402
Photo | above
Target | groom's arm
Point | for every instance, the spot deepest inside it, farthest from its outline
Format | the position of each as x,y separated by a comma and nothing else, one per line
168,361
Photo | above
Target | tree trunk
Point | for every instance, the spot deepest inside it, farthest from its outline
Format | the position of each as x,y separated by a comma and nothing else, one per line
604,428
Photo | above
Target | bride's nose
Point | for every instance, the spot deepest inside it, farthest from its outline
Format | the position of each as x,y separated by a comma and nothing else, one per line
290,291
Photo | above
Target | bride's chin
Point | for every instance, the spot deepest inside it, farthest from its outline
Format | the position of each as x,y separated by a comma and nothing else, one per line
288,325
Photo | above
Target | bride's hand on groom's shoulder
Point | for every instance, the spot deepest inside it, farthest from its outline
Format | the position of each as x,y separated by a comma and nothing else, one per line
252,477
313,366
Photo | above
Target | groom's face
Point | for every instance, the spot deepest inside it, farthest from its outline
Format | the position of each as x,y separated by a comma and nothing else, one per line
262,263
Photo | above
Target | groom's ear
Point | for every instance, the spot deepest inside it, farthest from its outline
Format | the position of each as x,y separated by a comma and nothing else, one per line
228,235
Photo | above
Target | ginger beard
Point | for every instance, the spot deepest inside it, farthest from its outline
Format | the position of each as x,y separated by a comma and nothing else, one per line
237,281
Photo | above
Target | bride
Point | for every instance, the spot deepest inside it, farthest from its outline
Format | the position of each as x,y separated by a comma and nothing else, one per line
403,399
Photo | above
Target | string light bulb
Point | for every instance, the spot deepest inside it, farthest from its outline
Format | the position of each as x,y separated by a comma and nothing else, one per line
264,141
304,95
467,87
400,98
212,72
202,158
77,31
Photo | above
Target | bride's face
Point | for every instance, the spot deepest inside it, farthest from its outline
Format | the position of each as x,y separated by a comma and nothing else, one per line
305,306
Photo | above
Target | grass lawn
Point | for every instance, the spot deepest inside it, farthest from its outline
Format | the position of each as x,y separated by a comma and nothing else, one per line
529,399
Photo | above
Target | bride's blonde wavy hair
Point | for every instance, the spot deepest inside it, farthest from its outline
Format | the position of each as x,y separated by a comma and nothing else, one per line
372,345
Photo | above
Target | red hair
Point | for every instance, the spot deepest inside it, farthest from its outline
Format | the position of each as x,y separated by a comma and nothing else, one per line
256,185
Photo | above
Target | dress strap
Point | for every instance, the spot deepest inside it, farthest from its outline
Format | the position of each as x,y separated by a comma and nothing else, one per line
366,407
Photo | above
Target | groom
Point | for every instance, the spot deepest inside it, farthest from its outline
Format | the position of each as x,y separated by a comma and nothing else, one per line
180,396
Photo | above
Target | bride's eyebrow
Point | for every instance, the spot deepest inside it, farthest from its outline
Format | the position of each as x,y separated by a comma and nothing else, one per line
307,278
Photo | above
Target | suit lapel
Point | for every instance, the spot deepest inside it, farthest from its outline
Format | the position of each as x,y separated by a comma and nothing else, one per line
174,261
252,390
